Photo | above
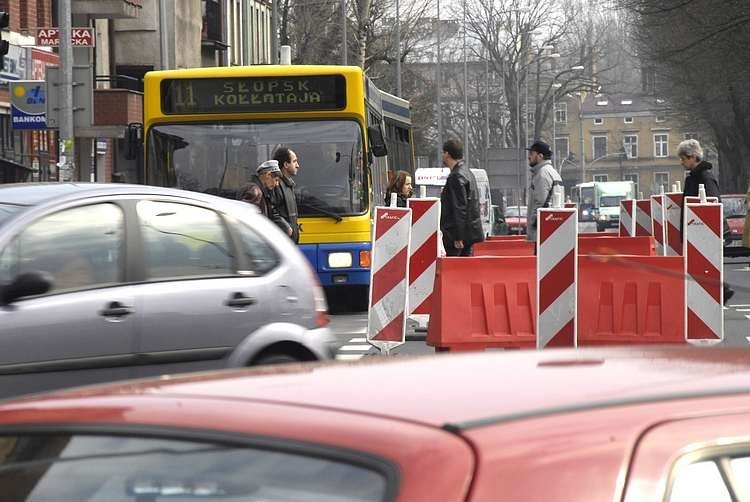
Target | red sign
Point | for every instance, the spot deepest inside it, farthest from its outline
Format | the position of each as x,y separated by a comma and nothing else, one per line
50,37
40,60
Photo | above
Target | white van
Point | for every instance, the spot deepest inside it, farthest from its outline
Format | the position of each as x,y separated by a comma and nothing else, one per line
434,179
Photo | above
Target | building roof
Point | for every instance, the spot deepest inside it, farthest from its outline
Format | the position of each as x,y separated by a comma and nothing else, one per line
619,104
465,391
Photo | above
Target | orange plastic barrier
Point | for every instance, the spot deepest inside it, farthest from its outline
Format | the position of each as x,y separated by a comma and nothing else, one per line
642,246
515,247
631,300
483,302
506,238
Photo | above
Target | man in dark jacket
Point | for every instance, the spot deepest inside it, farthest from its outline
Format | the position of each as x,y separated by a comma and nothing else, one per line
460,220
259,193
286,201
699,173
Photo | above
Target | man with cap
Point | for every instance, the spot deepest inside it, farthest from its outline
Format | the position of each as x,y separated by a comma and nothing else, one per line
544,179
259,192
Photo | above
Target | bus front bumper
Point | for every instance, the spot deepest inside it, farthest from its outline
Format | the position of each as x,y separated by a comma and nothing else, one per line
340,264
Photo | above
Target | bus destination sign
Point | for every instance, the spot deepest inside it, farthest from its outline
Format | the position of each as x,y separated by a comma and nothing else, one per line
253,94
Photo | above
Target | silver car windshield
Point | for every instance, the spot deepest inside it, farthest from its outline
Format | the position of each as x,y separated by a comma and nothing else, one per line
221,159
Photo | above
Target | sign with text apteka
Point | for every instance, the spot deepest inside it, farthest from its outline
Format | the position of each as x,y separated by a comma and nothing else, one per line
79,37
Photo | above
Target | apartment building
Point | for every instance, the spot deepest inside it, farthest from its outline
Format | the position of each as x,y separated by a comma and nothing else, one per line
618,138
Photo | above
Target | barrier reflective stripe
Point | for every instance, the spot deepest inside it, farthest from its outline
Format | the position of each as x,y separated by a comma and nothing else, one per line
657,222
704,272
386,319
424,252
643,218
672,212
557,265
627,218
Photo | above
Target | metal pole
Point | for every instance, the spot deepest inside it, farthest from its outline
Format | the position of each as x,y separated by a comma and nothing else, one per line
554,132
526,106
466,96
398,50
163,32
344,47
580,132
67,132
439,82
487,113
274,31
521,188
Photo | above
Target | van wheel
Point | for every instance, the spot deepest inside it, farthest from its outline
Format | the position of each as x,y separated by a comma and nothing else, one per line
276,359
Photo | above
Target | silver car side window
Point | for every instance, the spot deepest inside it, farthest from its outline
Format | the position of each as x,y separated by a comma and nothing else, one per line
80,248
181,240
260,255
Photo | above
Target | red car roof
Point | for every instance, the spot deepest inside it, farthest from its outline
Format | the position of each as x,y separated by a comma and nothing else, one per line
465,391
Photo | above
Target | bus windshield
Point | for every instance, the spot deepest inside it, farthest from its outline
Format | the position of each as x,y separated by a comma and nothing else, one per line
221,158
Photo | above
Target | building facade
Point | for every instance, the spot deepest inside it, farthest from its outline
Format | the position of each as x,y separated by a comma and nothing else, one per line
618,138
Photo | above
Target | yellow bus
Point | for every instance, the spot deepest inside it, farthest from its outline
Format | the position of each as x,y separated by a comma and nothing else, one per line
207,129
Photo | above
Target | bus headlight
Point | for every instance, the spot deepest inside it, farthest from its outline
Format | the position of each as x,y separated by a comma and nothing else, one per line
339,260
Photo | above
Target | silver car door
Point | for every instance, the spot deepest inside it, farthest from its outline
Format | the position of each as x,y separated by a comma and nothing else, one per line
82,330
196,306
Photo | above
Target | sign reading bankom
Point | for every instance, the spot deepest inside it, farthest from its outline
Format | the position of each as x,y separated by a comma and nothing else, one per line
80,37
254,94
28,104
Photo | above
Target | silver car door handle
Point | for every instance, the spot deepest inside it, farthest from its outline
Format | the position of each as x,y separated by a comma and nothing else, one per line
116,309
240,300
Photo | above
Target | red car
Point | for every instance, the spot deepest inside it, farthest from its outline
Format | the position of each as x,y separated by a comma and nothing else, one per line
734,216
586,425
515,218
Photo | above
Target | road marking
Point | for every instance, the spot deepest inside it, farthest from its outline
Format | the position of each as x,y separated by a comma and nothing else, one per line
740,305
358,340
349,357
742,310
743,269
355,348
360,331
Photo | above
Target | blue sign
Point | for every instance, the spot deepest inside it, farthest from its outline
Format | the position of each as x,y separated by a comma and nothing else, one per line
28,104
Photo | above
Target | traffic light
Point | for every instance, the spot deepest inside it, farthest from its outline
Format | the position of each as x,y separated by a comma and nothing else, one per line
4,44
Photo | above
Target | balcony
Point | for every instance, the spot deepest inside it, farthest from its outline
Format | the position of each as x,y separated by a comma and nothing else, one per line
114,109
111,9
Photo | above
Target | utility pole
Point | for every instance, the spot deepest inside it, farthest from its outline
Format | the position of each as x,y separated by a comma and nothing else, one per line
163,34
344,47
466,96
439,83
67,133
274,32
580,133
398,50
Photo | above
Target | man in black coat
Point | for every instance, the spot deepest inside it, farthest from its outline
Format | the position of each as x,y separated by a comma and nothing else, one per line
460,219
691,158
286,203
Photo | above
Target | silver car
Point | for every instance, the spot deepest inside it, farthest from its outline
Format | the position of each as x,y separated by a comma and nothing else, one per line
107,282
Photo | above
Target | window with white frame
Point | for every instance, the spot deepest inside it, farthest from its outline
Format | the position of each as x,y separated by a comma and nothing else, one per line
601,178
600,146
630,143
628,120
562,150
598,121
561,113
661,180
634,178
660,118
661,145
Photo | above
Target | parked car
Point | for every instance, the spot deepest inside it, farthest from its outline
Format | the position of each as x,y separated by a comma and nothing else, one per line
105,282
515,218
734,217
629,424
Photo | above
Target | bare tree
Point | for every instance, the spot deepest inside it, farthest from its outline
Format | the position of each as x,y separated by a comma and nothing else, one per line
695,53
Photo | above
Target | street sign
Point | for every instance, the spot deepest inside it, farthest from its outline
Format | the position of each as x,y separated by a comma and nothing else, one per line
83,97
28,100
80,37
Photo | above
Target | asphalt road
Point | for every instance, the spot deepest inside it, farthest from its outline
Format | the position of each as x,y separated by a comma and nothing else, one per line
351,326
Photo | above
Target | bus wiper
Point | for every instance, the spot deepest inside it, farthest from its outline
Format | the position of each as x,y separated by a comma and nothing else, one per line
324,211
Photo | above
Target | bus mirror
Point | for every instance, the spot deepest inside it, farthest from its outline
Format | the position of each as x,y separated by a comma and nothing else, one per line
133,139
377,143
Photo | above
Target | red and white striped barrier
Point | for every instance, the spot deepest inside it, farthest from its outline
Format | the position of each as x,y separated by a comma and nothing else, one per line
704,271
570,205
657,222
627,218
386,318
643,218
692,199
425,249
557,277
672,213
